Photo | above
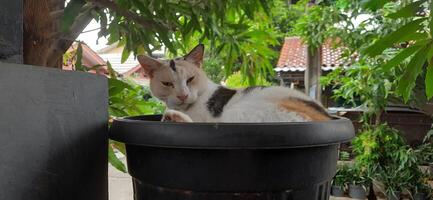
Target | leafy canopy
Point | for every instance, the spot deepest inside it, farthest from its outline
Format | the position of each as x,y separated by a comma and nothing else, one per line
241,32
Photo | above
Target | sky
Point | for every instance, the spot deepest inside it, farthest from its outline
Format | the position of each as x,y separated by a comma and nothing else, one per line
90,36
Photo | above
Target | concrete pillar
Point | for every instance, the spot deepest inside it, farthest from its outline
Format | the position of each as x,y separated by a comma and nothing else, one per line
11,31
313,73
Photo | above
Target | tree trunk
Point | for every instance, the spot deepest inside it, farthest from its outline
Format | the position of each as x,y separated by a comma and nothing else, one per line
44,43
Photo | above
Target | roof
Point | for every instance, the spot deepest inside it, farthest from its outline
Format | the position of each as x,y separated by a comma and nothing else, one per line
293,56
113,53
118,66
89,58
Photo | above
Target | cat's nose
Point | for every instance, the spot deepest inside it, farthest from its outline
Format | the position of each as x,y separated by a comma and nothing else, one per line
182,97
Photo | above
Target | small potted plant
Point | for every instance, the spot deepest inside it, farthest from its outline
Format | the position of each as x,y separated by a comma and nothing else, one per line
421,191
424,153
339,181
344,156
358,183
418,187
394,179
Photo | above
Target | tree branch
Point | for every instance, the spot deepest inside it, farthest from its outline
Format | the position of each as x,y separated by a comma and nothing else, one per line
149,24
65,40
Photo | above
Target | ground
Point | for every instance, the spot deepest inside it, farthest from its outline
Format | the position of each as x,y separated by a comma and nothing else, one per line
120,184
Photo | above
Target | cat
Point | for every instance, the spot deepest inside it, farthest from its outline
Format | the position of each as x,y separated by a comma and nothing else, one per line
190,96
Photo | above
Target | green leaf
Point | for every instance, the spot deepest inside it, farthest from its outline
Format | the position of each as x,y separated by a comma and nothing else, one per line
373,4
413,69
70,13
400,57
429,81
78,62
119,84
114,161
387,41
111,71
119,146
125,54
430,25
407,11
95,67
265,6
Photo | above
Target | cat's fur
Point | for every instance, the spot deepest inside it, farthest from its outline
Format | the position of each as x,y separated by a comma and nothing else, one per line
191,97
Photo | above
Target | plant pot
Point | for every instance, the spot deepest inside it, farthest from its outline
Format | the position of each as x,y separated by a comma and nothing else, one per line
357,192
395,196
231,161
420,196
337,191
53,134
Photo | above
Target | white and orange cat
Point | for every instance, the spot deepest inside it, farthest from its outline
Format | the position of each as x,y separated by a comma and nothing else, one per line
191,96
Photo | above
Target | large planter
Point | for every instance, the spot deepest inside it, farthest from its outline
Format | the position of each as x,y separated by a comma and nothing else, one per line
53,134
253,161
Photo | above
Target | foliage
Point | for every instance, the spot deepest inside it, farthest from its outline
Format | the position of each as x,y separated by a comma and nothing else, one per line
341,176
241,32
356,175
237,81
125,98
382,152
355,26
344,155
212,68
395,35
419,184
312,28
416,34
425,150
372,87
285,15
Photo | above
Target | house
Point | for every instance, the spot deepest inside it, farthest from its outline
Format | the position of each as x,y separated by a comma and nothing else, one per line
89,58
292,62
130,68
112,53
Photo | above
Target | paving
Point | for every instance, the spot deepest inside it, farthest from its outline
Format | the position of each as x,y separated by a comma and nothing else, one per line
119,184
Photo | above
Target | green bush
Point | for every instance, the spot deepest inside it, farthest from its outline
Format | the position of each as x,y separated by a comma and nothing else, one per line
237,81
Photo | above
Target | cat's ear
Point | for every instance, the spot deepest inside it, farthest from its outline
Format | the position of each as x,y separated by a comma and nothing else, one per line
196,55
149,64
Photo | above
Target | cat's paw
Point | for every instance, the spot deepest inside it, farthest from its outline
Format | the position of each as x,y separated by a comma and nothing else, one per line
175,116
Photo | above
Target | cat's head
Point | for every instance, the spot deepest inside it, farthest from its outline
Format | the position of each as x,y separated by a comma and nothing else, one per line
176,82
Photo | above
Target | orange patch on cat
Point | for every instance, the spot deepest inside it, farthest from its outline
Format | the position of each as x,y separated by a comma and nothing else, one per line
303,109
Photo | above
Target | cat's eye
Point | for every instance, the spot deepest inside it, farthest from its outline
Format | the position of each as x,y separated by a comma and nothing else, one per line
167,84
190,79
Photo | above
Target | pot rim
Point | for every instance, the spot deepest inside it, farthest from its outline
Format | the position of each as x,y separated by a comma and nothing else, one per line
147,130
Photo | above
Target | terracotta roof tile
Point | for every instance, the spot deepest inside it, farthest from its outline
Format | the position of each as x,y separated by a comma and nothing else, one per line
293,56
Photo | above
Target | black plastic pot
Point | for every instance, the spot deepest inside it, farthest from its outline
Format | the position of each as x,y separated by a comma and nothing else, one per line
337,191
253,161
357,192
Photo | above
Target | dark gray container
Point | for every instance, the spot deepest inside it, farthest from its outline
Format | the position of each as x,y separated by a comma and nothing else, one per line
337,191
210,161
357,192
53,134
